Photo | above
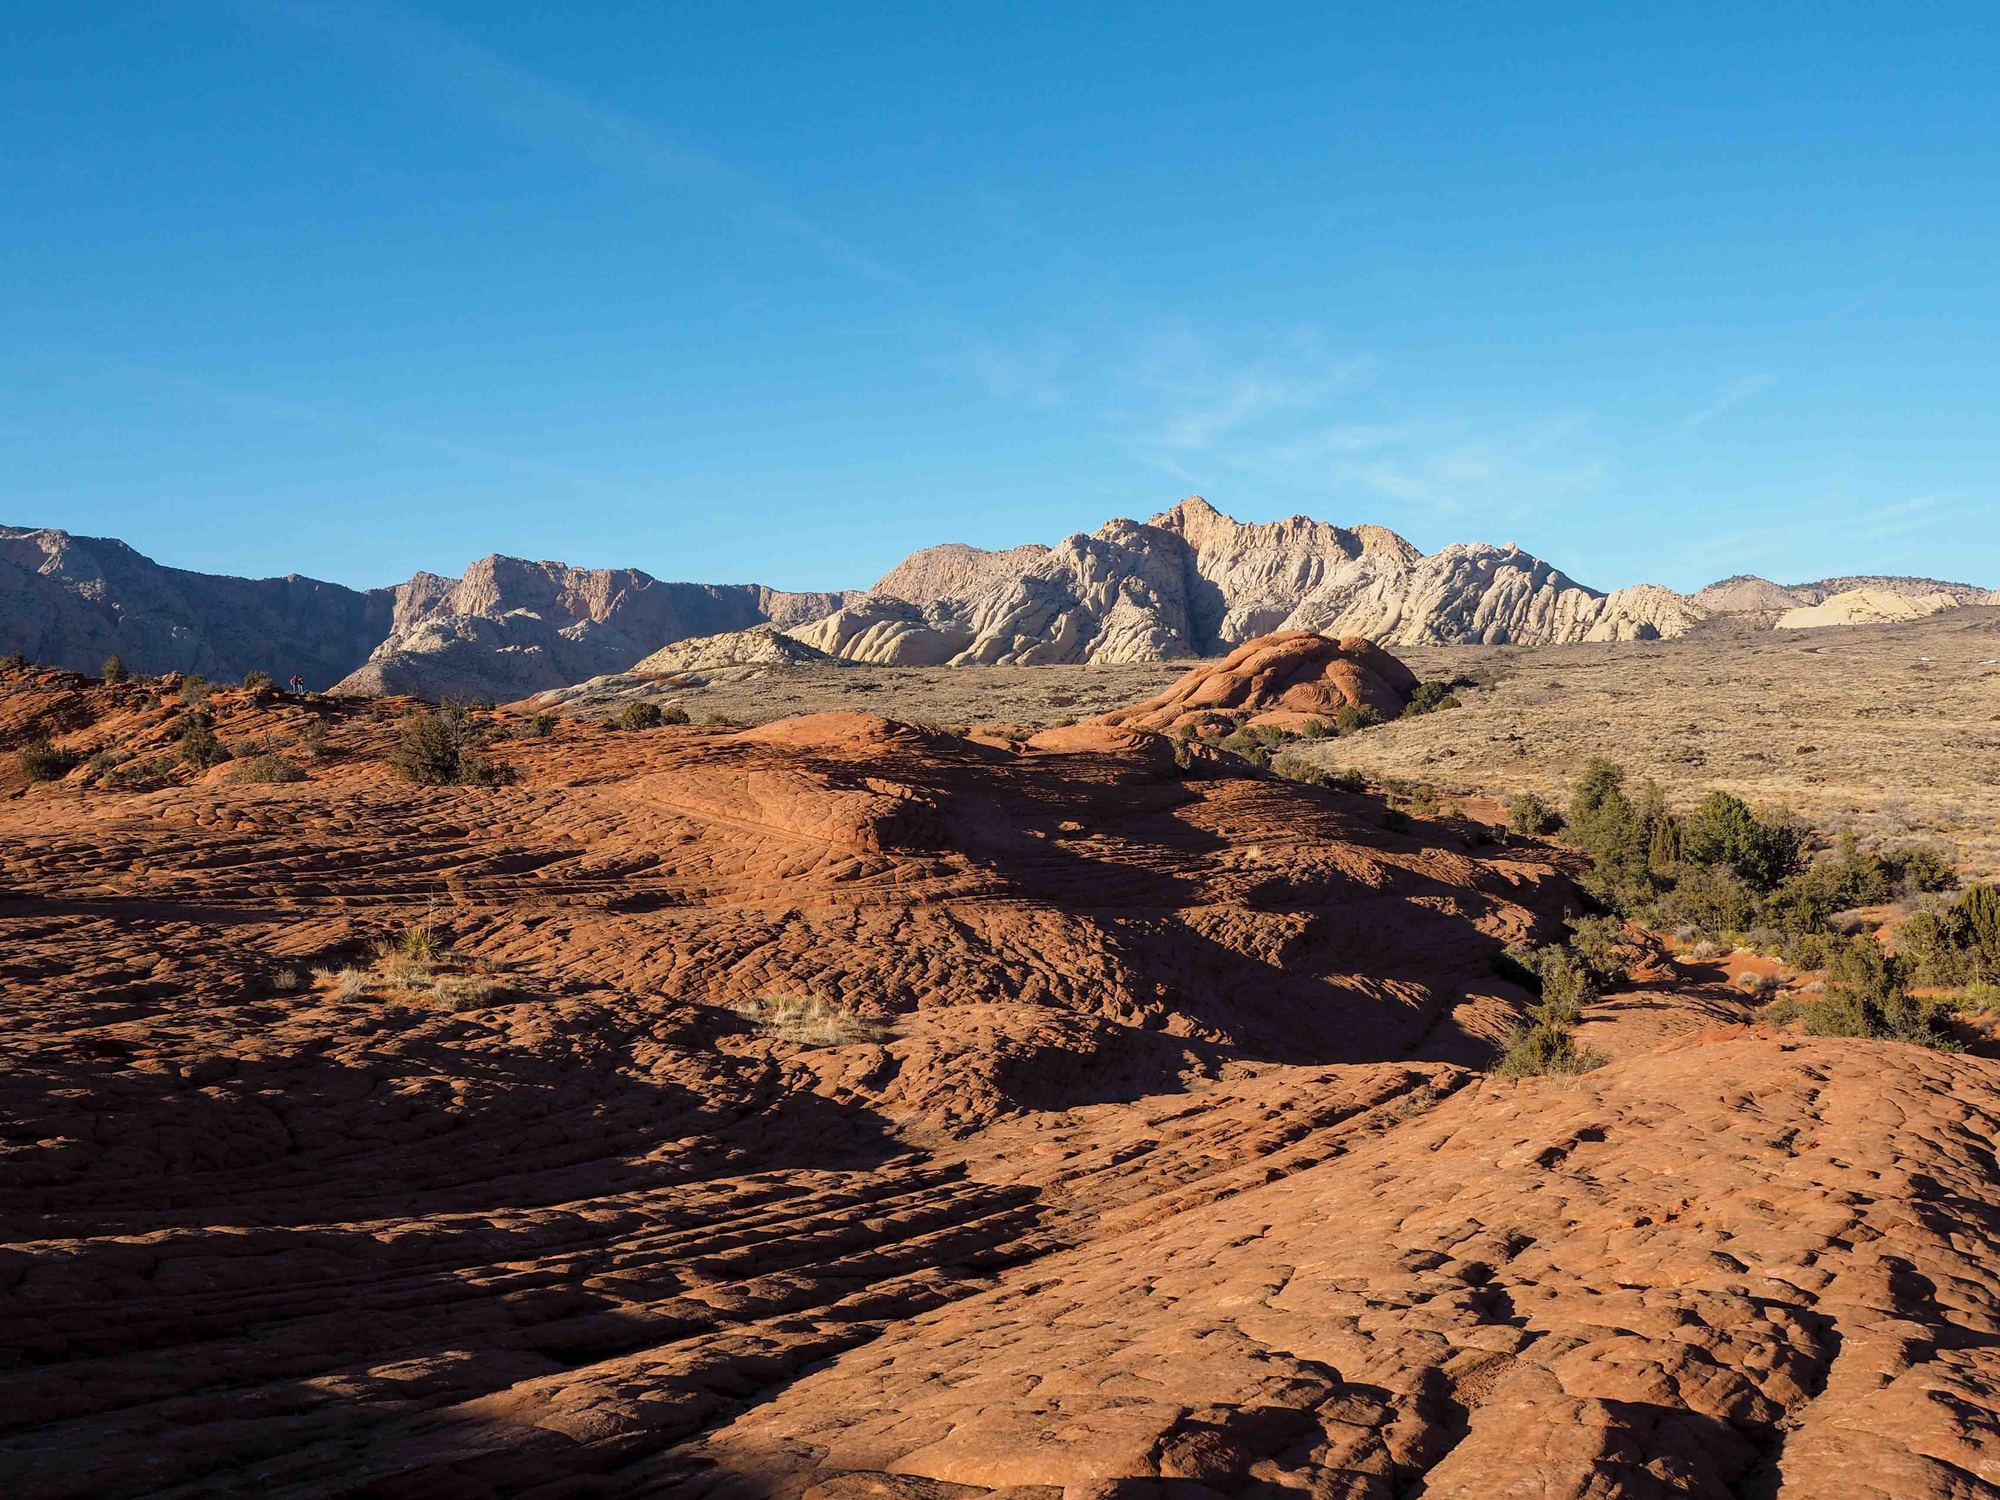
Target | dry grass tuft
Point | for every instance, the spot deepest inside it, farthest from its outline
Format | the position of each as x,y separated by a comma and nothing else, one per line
809,1021
417,968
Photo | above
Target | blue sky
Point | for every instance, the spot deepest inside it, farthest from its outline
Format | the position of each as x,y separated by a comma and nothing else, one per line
783,292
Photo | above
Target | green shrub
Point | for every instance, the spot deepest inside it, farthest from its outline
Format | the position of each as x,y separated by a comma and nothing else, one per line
199,746
1722,830
1599,942
1350,718
1298,768
1542,1051
39,760
639,714
257,681
1979,996
194,690
443,749
312,739
1248,745
114,669
1529,815
1867,998
1429,698
264,768
1394,819
16,660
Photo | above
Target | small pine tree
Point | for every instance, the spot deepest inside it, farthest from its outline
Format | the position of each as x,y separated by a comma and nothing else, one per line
114,669
199,746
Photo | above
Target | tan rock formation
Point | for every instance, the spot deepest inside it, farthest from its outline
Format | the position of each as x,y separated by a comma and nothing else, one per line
1866,606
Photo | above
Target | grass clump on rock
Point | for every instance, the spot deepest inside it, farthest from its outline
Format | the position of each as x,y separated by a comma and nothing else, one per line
809,1021
417,968
268,768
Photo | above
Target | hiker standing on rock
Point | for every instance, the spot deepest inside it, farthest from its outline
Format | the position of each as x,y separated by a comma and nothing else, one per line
298,685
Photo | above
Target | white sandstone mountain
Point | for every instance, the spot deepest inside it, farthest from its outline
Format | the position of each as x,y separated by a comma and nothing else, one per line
1192,582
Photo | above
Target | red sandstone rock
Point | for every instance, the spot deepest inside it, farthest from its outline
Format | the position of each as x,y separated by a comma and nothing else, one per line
1285,680
1164,1168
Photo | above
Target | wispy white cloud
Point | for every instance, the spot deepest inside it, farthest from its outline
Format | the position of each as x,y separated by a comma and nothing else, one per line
1726,400
478,79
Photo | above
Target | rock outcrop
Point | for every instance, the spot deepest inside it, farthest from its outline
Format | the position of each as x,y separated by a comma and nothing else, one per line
759,646
1194,582
1748,594
1866,606
1285,680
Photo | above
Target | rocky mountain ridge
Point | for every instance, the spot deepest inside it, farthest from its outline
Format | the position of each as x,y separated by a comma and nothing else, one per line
1189,582
506,628
1195,582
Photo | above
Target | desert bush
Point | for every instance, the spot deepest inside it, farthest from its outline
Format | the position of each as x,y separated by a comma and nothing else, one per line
443,749
199,746
1298,768
1979,996
1547,1043
639,714
1605,824
16,660
1394,819
1248,745
1429,698
1758,987
1350,718
1317,729
1529,815
723,721
420,940
312,739
39,760
287,979
114,669
1722,830
809,1021
257,681
417,968
1423,801
1866,996
1599,942
1542,1051
266,768
194,690
1712,900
